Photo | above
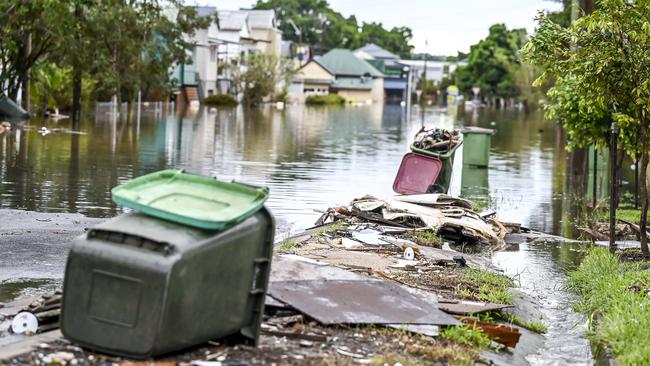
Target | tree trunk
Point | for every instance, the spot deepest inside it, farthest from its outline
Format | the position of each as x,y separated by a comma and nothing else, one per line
24,75
644,186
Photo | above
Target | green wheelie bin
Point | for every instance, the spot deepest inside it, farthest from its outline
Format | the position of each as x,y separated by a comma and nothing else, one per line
142,285
477,146
447,158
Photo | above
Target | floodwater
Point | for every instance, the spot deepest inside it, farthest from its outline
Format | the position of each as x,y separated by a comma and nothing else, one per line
311,158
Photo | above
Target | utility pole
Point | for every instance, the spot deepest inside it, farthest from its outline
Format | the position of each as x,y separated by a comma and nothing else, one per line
612,188
76,77
424,86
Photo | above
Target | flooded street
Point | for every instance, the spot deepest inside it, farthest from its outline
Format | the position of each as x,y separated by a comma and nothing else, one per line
311,158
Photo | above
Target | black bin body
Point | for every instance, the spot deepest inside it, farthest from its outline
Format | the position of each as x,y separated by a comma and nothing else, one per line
138,286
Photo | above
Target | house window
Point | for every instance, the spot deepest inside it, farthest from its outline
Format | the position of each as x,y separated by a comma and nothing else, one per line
213,53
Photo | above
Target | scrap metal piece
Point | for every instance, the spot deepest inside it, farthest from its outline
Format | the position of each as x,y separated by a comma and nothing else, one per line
501,333
358,302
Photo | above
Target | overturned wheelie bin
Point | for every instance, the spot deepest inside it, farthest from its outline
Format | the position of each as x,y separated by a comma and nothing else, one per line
191,266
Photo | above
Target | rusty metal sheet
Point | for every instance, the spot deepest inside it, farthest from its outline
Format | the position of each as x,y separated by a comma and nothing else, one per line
470,307
358,302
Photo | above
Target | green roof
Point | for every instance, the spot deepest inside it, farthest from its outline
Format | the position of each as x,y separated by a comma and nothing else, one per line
343,62
352,83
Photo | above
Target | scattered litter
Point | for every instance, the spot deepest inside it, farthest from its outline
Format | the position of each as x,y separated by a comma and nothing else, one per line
24,322
409,254
436,139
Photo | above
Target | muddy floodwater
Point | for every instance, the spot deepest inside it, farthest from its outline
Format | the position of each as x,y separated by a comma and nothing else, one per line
311,158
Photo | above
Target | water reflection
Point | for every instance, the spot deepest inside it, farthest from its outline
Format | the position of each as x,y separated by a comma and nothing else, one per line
541,272
310,157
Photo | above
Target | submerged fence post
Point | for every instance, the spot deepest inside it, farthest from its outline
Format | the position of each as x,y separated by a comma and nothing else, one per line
612,188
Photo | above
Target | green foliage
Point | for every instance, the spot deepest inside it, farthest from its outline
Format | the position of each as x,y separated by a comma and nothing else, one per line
600,66
485,286
613,295
220,100
327,99
490,62
602,71
119,47
51,86
260,76
466,335
324,28
22,23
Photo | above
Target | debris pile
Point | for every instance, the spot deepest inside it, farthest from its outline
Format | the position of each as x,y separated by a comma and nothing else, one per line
436,140
436,215
372,282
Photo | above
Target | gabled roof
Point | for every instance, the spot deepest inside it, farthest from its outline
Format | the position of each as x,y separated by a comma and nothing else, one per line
316,61
377,52
230,20
261,19
343,62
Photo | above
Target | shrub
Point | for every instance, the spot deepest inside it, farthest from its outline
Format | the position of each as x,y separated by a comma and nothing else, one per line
324,99
220,100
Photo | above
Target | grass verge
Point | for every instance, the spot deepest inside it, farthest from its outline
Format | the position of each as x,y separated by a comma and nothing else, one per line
286,246
485,286
466,335
614,296
329,229
426,237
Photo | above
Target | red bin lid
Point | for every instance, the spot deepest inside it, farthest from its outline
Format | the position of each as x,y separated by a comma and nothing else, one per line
416,174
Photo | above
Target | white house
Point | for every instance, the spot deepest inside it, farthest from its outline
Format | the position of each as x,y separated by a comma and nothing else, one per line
264,31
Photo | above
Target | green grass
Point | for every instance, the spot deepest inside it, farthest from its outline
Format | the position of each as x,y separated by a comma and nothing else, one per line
620,315
537,327
485,286
466,335
286,246
426,238
329,229
324,99
628,214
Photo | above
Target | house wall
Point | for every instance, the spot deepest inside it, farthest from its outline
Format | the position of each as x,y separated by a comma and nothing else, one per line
356,96
273,36
377,91
313,71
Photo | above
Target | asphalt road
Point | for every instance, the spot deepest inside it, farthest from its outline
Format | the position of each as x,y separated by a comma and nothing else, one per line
34,245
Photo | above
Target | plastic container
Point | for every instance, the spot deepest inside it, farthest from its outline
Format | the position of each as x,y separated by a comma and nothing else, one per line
137,286
189,199
477,146
417,174
447,160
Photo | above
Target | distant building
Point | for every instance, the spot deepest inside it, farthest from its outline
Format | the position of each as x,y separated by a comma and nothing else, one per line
198,79
341,72
397,86
264,31
436,70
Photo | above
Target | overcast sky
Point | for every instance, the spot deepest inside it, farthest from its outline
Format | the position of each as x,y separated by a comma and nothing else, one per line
448,25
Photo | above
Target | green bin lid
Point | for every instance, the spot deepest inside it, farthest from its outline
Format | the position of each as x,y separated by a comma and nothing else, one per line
189,199
474,129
